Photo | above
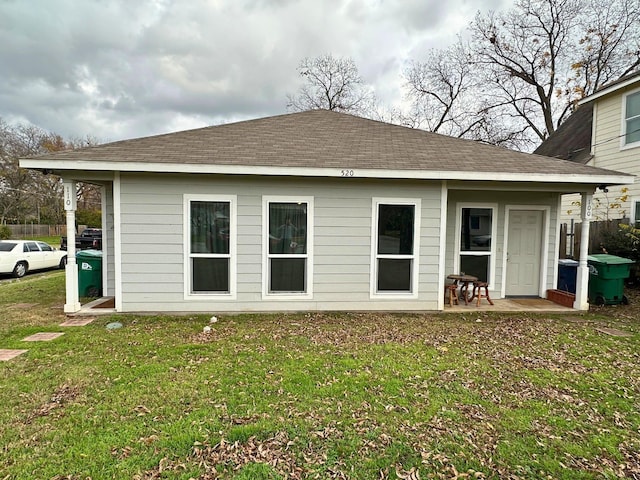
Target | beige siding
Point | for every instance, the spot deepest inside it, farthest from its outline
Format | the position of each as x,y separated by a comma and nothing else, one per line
153,241
610,153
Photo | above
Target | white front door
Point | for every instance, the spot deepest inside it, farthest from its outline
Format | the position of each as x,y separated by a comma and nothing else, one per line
524,253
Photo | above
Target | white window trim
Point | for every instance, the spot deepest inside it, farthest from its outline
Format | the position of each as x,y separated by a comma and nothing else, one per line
494,231
544,246
223,296
634,208
266,294
623,131
415,257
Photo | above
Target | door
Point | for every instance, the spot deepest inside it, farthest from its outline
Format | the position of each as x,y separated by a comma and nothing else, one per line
524,253
33,256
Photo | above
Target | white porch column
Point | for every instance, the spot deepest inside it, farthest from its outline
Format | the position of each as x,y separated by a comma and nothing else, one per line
582,276
72,304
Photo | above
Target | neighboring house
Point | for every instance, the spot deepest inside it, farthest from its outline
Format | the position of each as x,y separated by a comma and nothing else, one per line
319,211
603,132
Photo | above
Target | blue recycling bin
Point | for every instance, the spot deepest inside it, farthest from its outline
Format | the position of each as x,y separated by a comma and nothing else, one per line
567,273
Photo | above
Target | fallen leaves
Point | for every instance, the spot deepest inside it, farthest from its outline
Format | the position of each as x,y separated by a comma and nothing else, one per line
62,395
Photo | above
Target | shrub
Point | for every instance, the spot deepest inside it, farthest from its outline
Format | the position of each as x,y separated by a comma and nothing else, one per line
625,242
5,232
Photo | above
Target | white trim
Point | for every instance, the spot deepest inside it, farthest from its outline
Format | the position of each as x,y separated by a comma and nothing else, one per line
444,198
266,295
418,174
634,210
594,120
611,89
556,255
117,240
415,256
494,231
623,128
544,245
210,296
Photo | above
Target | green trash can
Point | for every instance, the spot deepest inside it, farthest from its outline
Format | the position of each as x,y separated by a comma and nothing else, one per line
607,274
89,273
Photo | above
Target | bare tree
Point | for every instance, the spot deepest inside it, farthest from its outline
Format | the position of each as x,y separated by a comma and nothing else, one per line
438,88
331,83
30,195
18,197
609,47
524,69
444,93
521,53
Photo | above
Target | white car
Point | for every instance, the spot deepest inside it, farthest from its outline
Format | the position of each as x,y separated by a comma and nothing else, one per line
19,256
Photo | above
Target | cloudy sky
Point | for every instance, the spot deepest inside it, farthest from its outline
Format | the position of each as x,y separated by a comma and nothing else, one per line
115,69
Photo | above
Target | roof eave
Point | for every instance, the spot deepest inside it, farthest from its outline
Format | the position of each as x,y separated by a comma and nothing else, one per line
607,91
613,178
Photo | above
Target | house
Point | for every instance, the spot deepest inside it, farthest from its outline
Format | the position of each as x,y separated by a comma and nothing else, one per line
319,211
604,132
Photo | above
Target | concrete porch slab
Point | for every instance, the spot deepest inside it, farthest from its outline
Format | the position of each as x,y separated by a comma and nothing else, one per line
510,305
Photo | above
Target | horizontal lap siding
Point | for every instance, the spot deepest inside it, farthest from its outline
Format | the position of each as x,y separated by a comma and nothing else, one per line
153,243
609,154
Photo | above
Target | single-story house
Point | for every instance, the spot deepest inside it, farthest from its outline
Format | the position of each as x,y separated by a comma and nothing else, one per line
320,211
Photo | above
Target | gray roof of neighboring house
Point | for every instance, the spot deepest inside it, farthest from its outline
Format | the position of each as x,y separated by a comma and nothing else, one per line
315,139
572,140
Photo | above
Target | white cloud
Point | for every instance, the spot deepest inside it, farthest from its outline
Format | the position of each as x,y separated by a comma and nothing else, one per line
119,69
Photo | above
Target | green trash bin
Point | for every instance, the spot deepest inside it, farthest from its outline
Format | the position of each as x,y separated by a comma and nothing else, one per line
89,273
607,274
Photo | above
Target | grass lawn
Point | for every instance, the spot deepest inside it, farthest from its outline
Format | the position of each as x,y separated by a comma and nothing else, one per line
348,395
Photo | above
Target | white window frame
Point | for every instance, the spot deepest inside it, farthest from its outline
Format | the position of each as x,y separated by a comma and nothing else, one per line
414,257
231,294
623,138
635,207
266,256
494,230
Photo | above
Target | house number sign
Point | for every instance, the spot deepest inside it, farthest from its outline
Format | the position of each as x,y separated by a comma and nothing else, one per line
346,173
69,196
587,212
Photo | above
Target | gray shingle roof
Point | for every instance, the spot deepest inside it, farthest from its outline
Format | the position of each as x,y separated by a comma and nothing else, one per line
572,140
322,139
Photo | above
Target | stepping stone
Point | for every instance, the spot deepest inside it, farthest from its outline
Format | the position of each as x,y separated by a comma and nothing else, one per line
6,355
42,337
77,322
614,332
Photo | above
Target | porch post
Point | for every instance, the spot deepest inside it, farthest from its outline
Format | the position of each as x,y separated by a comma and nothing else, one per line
72,304
582,276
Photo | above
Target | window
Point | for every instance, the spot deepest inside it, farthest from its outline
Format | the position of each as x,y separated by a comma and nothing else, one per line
636,213
210,245
476,232
287,237
45,247
632,118
395,247
31,247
